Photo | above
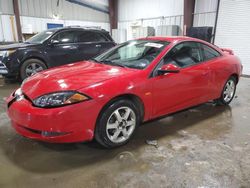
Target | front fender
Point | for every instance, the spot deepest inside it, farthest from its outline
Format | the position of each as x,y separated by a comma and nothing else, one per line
106,91
33,53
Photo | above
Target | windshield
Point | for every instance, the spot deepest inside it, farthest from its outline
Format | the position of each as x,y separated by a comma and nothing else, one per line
41,37
136,54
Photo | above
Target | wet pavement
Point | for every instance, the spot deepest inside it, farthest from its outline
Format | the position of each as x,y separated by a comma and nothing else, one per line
206,146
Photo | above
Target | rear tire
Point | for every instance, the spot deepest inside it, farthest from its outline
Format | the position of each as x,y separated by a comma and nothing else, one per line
228,92
30,67
117,123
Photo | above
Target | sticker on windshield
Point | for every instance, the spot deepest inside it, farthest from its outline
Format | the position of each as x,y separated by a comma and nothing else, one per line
155,45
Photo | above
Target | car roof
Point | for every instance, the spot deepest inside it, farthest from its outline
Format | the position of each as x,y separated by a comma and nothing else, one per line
177,39
77,28
172,39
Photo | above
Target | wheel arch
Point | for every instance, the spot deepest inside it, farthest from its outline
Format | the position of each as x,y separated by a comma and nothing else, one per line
236,76
136,99
34,57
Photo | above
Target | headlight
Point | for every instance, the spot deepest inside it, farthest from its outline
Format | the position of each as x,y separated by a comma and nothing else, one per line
18,94
6,53
59,99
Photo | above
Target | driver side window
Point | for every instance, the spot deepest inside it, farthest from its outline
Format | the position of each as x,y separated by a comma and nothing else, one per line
65,37
184,55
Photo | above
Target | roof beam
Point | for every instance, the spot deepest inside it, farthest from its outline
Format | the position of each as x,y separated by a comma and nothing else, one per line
18,22
113,14
188,14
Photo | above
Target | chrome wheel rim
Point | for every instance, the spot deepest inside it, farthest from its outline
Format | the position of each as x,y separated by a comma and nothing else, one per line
121,124
33,68
229,90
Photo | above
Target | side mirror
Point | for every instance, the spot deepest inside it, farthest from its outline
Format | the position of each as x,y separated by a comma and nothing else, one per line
53,42
169,68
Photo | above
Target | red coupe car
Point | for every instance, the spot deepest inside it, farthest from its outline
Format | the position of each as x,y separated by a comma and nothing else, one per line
106,98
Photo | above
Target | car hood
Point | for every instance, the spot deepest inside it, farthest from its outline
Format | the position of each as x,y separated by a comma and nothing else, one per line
16,46
71,77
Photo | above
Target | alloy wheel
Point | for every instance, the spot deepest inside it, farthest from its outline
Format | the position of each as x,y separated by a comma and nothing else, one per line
33,68
121,124
229,90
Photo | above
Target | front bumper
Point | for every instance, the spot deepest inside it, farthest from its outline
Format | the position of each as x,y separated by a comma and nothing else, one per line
59,125
3,68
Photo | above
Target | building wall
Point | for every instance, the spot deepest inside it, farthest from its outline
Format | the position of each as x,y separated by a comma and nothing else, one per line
7,33
35,14
138,9
149,13
233,29
205,12
6,7
65,10
40,24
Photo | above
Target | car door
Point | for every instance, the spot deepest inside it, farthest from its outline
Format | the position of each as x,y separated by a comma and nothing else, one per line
62,48
104,42
89,44
217,67
175,91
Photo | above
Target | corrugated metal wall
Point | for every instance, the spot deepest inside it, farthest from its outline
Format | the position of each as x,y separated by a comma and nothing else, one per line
66,10
6,7
205,12
6,32
40,24
37,13
138,9
149,13
233,29
6,12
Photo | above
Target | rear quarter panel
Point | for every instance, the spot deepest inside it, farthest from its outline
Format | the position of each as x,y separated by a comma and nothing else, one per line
221,69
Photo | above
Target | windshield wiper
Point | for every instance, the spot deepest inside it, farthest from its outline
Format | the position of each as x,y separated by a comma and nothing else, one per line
113,63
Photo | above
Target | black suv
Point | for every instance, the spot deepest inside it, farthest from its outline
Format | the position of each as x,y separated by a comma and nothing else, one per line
52,48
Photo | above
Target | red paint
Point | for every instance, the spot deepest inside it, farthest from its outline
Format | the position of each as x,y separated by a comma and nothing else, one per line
160,95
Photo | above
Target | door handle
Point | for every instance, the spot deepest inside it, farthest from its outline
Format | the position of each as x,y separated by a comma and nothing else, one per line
98,45
73,48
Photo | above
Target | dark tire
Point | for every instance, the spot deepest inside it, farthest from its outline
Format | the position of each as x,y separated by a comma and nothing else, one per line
223,100
108,125
30,65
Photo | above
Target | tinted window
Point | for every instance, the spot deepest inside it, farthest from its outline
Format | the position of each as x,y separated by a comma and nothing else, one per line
65,37
209,53
86,36
184,54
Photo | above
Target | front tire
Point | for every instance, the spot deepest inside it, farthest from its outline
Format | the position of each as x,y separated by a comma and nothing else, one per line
228,92
30,67
117,123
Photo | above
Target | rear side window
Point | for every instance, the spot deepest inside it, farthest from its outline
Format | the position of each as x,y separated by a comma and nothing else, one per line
87,36
209,53
184,54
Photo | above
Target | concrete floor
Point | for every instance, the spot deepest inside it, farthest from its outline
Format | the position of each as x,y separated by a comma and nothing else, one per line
207,146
